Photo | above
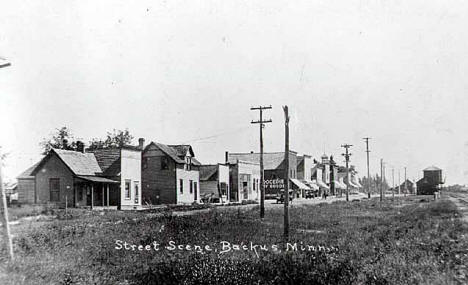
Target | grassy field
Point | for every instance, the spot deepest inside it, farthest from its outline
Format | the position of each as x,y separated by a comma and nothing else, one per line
409,241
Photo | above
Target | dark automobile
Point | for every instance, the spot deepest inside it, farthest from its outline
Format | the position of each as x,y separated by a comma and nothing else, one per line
280,196
310,194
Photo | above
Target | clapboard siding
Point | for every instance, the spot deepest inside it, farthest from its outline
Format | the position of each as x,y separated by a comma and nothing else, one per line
54,168
159,185
26,190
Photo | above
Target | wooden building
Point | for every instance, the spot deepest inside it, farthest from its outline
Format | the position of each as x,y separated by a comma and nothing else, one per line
274,170
26,186
123,165
214,183
321,176
305,165
76,179
170,174
244,180
431,181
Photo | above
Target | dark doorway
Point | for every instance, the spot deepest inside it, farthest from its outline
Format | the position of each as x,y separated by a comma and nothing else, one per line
54,187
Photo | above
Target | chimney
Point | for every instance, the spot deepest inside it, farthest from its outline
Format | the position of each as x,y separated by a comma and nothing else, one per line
226,156
141,143
80,146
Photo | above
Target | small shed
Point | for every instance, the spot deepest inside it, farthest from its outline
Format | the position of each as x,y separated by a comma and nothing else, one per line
214,183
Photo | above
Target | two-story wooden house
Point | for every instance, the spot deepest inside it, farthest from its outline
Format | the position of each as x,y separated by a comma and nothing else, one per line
170,174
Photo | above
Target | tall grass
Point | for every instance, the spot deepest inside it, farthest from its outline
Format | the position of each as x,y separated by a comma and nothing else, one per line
378,243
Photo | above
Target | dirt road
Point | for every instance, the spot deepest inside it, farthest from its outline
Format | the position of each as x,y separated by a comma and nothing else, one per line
461,200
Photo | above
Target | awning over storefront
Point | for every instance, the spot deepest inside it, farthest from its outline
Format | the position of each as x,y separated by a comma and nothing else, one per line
338,185
321,184
355,181
343,184
353,185
299,184
312,184
98,179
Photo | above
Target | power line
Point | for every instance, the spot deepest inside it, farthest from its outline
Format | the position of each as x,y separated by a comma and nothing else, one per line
216,135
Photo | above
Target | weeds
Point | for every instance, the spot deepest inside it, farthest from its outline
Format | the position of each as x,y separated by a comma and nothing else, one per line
378,244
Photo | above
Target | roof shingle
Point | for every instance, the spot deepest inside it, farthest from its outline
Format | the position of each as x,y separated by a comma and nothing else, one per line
207,171
80,163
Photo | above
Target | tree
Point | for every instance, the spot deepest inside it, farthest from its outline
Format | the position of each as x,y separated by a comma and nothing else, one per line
116,138
61,139
374,183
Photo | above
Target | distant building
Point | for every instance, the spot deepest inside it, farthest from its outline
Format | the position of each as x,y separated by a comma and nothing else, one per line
410,186
274,170
321,175
214,183
305,165
11,192
431,181
170,174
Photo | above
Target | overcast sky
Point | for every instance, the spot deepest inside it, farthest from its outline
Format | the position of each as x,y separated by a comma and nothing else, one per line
188,72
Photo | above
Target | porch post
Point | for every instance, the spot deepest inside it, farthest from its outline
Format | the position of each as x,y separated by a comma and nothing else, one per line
92,196
103,194
107,195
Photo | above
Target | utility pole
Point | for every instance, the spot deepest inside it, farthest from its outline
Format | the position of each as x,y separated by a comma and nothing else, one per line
347,154
286,177
399,183
406,189
384,178
368,173
393,183
381,179
262,182
4,220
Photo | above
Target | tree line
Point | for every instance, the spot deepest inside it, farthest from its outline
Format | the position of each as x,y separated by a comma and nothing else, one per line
63,138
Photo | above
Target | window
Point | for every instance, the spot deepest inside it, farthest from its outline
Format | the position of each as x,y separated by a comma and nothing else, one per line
181,186
188,163
145,162
54,187
164,163
223,188
128,193
195,197
137,186
255,184
191,186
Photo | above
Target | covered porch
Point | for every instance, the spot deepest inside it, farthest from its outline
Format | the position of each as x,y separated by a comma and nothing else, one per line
96,192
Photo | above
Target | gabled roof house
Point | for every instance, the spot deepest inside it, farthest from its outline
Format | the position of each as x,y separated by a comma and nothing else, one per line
170,174
102,178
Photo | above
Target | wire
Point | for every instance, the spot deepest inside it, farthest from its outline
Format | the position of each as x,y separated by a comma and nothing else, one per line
217,135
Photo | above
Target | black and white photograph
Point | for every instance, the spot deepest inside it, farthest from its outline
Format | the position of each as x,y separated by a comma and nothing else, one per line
234,142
